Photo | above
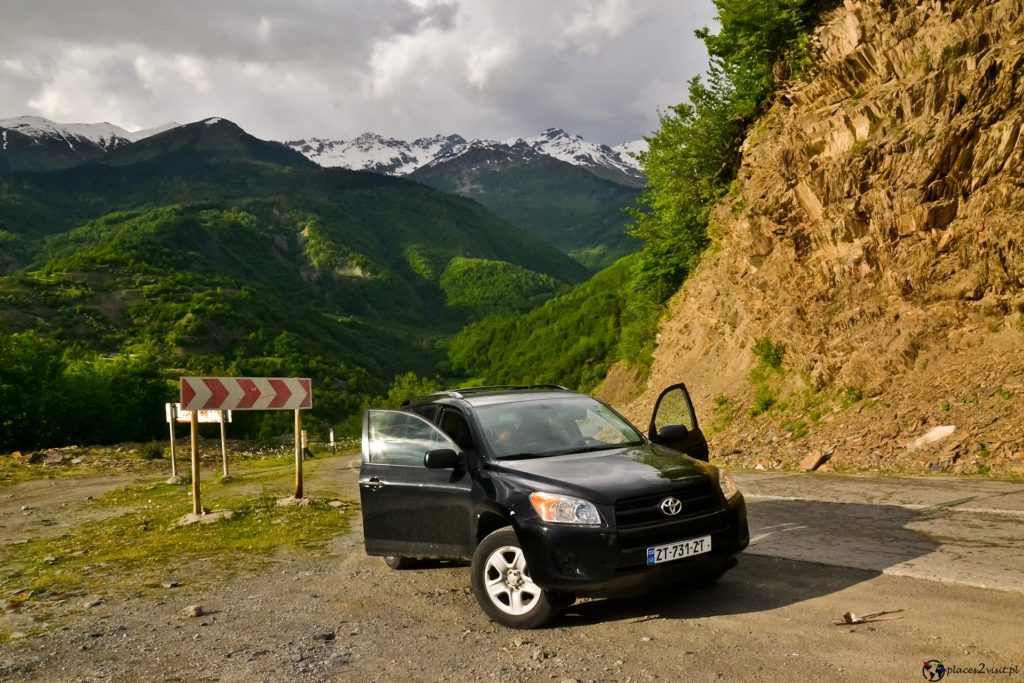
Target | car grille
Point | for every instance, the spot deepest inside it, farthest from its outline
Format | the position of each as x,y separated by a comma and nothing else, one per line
645,512
642,524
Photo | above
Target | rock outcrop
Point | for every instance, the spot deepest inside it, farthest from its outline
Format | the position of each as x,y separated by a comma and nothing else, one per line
878,233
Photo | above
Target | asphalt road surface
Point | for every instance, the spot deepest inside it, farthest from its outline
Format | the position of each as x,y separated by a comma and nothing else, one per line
947,552
968,532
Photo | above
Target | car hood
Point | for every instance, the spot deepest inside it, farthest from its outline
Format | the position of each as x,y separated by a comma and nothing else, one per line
611,475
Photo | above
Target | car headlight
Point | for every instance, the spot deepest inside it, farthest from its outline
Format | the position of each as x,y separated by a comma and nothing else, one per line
552,507
727,485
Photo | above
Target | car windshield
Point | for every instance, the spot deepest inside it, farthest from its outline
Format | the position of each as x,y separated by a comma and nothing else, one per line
553,427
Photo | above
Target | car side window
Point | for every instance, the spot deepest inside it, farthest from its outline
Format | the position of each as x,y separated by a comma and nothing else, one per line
454,424
428,412
674,408
392,437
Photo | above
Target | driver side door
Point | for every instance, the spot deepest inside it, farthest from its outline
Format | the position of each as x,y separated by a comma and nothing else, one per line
674,423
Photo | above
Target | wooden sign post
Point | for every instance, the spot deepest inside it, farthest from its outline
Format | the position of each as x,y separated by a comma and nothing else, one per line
223,445
298,454
172,419
244,393
197,505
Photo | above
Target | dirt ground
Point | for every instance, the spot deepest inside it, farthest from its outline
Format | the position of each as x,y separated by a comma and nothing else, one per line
334,614
64,505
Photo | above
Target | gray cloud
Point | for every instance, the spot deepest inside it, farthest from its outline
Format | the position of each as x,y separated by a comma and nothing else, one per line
404,68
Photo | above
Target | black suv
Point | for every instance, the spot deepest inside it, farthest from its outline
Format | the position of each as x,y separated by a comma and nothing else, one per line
550,493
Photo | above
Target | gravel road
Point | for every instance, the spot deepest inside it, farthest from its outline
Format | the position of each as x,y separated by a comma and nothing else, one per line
337,615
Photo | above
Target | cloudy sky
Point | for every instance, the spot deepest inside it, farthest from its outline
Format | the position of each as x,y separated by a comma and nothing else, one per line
336,68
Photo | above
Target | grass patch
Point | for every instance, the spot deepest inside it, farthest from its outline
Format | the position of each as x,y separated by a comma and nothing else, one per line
143,546
796,428
15,472
764,400
851,395
1005,393
724,413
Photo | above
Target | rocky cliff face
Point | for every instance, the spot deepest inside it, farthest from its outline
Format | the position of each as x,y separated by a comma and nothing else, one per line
877,231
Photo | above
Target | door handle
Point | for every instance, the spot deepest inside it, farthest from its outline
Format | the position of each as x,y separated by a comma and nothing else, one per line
373,483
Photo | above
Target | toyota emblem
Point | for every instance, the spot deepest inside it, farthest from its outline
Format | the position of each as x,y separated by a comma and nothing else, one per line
671,506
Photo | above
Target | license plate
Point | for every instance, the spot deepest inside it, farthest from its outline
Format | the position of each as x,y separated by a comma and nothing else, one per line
678,550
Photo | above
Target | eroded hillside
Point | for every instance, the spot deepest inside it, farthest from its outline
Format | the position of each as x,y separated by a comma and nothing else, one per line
876,232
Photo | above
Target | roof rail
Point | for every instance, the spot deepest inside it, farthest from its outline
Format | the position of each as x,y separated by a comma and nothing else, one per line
464,391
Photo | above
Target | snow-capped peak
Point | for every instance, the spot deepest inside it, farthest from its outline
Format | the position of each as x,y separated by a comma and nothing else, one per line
104,135
627,151
373,152
573,149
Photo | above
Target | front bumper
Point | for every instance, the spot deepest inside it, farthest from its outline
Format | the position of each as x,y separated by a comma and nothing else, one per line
591,560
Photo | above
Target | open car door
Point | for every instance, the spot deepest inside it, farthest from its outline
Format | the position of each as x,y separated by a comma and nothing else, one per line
413,505
674,423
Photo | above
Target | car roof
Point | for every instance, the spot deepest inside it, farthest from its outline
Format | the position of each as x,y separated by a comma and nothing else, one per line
493,395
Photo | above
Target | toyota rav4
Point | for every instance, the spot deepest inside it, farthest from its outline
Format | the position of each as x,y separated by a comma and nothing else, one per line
549,494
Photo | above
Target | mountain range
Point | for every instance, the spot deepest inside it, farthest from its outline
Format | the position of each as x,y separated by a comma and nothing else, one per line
373,152
569,192
215,252
24,139
32,143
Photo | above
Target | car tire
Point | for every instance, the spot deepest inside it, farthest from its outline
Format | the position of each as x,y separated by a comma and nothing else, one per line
503,587
399,562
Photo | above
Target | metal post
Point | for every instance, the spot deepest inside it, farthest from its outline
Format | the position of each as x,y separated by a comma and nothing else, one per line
223,444
197,507
174,459
298,454
333,448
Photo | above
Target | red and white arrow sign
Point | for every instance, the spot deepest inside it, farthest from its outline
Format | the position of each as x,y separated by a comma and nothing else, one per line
245,393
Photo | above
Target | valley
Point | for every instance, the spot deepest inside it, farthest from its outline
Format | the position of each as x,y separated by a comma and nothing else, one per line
821,242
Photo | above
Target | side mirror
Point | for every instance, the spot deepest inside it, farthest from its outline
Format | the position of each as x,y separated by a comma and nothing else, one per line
441,459
670,433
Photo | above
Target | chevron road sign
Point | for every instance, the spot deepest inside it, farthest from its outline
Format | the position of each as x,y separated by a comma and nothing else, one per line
246,393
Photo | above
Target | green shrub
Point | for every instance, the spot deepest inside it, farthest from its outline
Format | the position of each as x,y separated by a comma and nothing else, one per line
764,400
851,395
151,451
724,413
768,352
797,429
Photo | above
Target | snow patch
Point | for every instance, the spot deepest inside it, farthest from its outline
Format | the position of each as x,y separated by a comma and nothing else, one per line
373,152
106,135
627,150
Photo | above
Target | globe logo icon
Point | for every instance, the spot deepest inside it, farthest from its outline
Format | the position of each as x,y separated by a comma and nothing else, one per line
933,670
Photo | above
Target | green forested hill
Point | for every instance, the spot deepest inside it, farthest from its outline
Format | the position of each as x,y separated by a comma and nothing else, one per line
571,339
691,165
212,253
567,206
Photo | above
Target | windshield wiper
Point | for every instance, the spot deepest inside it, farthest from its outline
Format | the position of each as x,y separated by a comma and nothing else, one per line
527,456
602,447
